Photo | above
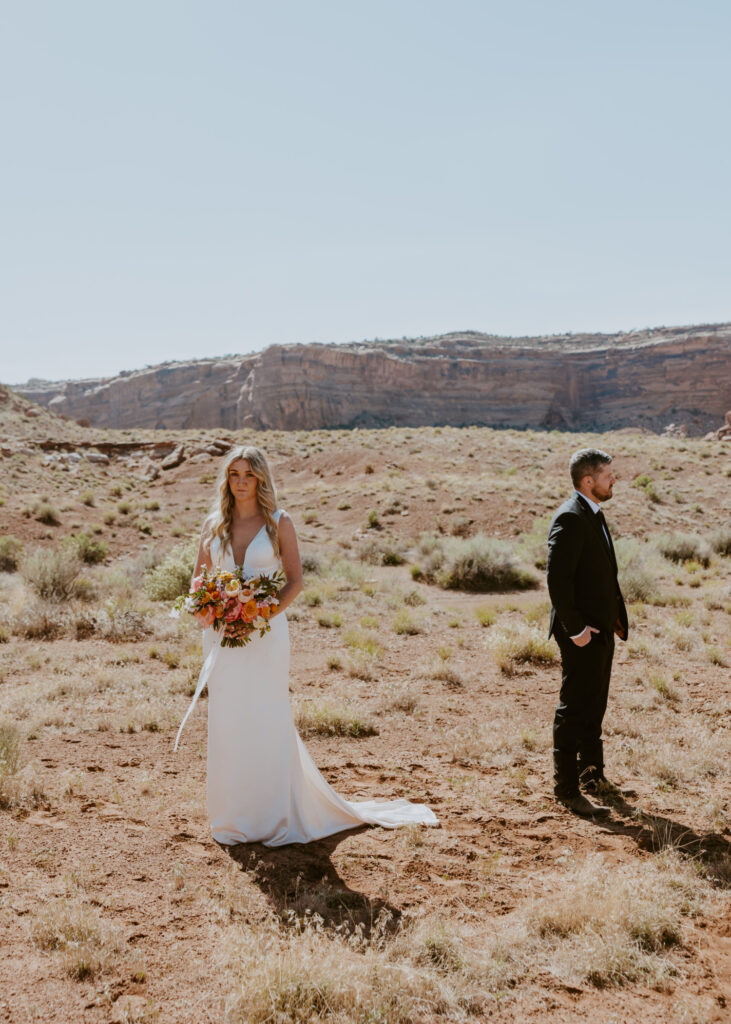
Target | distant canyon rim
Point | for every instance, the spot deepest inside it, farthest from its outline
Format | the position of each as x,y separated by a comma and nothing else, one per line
647,379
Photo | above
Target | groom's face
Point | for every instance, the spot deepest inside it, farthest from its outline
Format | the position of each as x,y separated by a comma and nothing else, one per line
602,482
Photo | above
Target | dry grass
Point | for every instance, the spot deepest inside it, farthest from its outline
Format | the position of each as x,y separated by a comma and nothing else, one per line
522,645
600,926
309,974
78,933
20,786
328,720
610,926
510,927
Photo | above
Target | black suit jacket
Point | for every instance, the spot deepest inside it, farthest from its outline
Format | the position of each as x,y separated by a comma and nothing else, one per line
582,573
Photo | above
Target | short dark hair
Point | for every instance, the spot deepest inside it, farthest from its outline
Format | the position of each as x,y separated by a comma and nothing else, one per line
586,462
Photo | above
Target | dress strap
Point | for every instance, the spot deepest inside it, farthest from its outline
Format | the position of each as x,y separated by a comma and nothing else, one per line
277,515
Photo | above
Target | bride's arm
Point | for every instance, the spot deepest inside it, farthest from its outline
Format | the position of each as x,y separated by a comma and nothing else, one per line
290,555
204,556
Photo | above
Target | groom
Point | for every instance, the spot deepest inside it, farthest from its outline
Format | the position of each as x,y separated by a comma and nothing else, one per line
587,610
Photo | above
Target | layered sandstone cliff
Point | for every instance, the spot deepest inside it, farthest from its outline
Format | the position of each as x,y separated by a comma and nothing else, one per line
647,379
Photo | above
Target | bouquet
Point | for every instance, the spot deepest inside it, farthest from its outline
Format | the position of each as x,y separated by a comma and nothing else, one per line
238,604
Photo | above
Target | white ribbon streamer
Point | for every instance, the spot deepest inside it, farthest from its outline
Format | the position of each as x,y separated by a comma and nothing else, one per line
203,678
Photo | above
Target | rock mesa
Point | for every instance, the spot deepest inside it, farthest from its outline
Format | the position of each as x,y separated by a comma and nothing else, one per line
575,382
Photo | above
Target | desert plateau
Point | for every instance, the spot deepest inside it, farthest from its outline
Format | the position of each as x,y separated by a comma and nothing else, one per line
421,668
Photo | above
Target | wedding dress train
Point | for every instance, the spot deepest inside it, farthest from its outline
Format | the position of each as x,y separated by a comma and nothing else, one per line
262,784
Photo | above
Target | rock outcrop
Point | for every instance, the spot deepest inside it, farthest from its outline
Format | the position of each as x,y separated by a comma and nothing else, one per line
577,382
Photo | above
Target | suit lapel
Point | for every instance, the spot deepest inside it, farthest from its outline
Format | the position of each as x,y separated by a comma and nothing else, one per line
608,549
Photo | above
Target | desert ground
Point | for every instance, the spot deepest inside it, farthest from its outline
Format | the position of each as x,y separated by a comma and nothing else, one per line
116,904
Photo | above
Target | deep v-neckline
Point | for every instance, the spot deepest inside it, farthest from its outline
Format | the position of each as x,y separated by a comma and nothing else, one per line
242,563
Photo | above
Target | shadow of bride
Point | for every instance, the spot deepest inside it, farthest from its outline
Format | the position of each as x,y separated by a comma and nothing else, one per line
654,832
300,881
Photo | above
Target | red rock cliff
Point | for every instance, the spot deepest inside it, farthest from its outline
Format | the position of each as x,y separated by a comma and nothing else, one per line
578,382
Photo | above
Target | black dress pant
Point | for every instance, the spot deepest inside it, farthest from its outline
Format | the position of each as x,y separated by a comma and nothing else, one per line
577,726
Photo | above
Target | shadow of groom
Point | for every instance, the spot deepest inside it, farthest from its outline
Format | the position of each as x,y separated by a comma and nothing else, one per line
300,880
653,832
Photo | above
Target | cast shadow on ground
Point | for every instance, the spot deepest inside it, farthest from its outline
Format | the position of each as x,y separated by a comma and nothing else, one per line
653,833
301,878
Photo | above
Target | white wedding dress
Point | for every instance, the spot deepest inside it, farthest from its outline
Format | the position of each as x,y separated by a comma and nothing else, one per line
262,784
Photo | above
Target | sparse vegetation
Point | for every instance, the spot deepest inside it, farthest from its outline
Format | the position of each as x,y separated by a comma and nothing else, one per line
172,576
327,720
637,573
496,913
48,514
684,547
521,646
10,552
53,573
77,932
720,539
90,550
478,563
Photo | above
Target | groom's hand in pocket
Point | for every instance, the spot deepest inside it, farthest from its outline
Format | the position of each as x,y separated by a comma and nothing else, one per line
584,638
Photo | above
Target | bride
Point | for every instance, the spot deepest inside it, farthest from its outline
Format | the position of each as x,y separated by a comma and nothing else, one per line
262,784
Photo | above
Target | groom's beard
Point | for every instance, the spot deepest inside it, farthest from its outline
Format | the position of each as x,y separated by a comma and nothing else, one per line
602,493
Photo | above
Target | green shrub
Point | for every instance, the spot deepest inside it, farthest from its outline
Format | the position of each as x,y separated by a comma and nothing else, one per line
684,547
87,498
53,573
172,576
10,552
373,521
90,551
644,483
478,563
48,514
311,564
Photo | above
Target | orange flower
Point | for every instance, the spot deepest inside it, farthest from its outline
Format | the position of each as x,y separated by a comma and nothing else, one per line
265,611
250,609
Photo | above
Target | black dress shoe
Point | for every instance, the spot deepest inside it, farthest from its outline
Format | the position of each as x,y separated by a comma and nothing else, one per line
583,807
604,788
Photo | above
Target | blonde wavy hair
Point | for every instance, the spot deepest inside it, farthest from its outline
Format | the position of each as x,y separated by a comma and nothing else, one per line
220,519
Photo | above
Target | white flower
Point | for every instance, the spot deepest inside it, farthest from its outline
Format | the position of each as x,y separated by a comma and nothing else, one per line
259,622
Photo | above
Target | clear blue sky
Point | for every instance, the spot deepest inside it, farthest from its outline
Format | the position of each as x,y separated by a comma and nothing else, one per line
181,179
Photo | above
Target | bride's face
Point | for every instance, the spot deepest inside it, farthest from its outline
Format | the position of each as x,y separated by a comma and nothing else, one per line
241,481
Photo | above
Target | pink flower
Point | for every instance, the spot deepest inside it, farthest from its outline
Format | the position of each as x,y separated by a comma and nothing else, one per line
197,583
233,612
206,617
